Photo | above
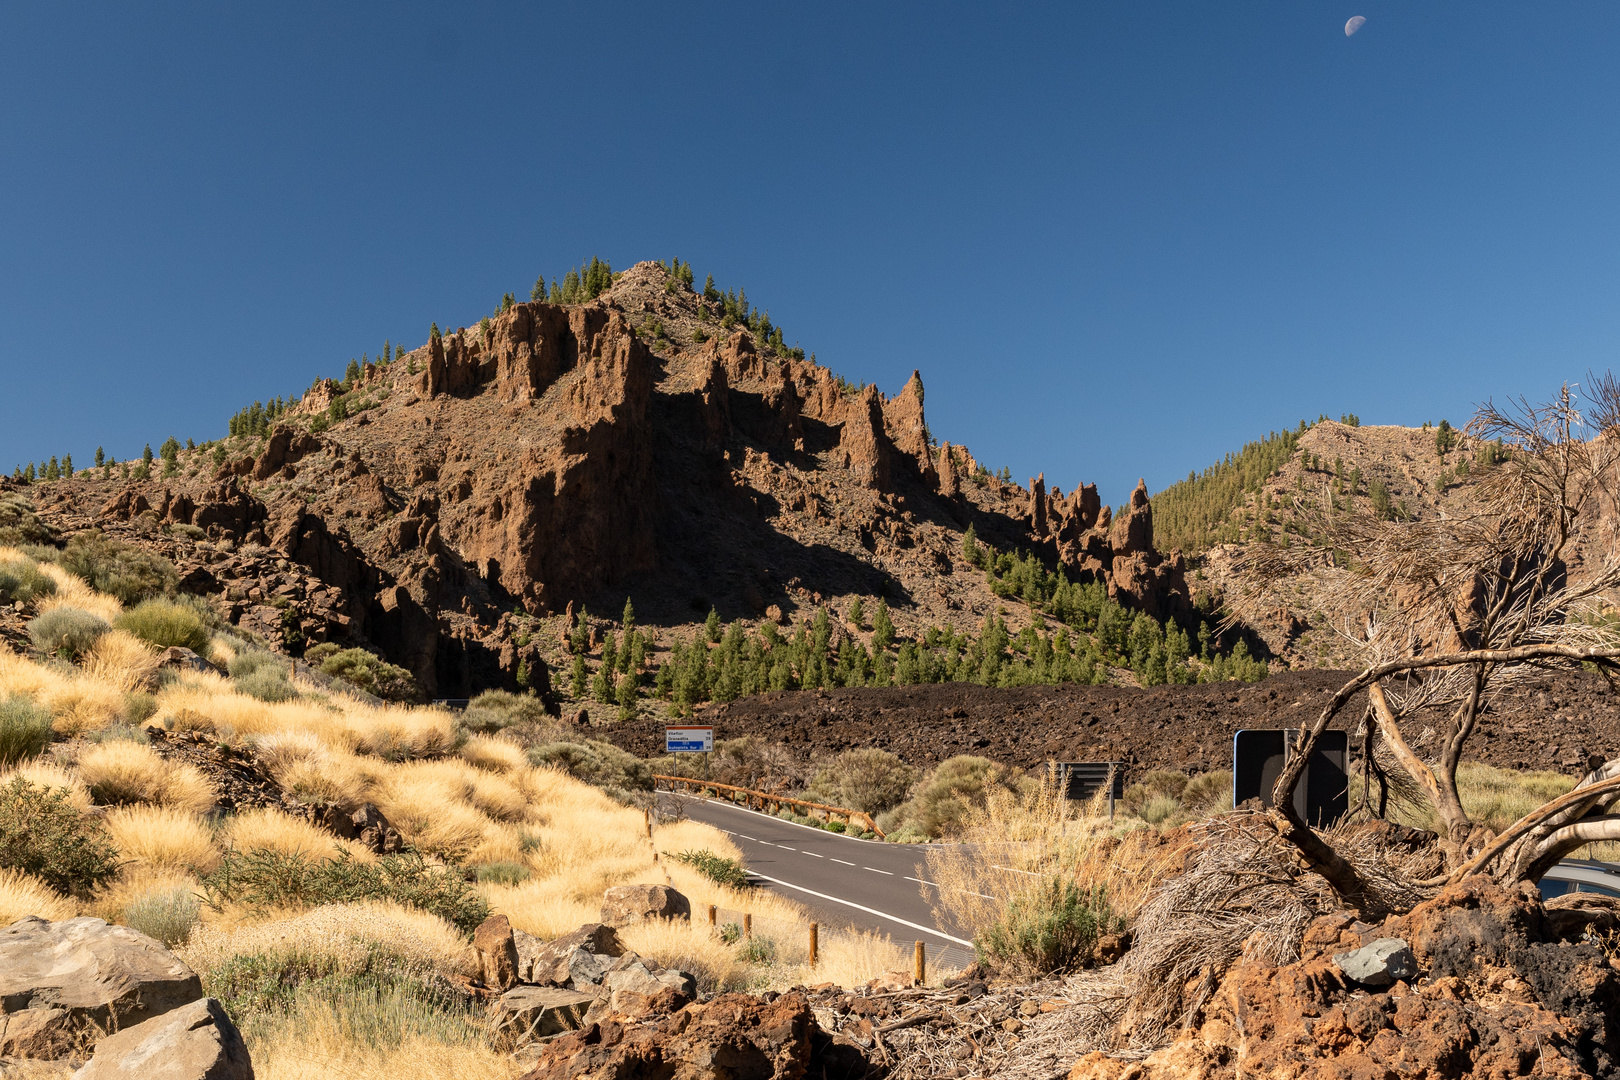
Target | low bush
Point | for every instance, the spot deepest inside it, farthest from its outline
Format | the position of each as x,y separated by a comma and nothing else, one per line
25,729
123,570
942,801
23,582
870,779
262,675
165,914
44,835
372,674
502,873
266,879
1052,927
166,623
121,772
717,868
496,710
1157,784
600,764
18,525
120,732
67,632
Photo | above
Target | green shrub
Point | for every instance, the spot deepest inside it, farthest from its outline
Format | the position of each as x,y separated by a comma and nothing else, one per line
25,729
165,623
1208,793
66,631
758,950
870,780
731,933
165,914
1052,927
598,763
495,710
18,525
123,570
248,661
266,879
139,707
716,868
43,834
120,733
268,684
502,873
189,532
1160,809
22,582
372,674
1154,785
942,800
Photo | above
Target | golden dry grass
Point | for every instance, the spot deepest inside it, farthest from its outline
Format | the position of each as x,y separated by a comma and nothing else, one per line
321,1042
121,660
22,895
77,702
71,591
162,838
494,753
135,881
339,933
121,772
277,831
43,773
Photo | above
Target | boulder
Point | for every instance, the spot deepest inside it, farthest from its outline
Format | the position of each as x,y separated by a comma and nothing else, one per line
192,1042
60,979
526,1013
732,1036
1382,963
573,960
632,975
497,952
626,904
179,658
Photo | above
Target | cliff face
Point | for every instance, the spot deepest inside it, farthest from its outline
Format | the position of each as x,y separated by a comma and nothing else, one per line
632,446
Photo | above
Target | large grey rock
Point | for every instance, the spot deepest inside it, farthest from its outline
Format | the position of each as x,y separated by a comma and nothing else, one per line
60,979
573,960
191,1042
1382,963
526,1013
626,904
631,974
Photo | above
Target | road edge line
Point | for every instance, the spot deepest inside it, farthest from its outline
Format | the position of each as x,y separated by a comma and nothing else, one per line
862,907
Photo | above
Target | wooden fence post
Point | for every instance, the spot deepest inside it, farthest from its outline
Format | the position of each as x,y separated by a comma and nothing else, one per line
748,925
815,950
920,972
712,914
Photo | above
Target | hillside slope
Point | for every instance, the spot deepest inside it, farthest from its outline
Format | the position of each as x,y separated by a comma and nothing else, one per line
454,508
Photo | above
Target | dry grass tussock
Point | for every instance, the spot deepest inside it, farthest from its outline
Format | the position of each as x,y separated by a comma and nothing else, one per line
274,830
42,773
22,895
77,702
495,754
136,881
121,772
71,591
339,933
162,838
323,1040
1016,841
121,660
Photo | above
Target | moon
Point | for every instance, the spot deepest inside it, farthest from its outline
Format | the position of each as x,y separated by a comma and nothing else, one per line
1354,24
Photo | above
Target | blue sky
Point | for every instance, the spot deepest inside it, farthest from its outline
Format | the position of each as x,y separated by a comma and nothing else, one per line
1118,240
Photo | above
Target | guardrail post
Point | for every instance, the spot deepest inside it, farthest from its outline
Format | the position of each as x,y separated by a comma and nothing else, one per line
815,951
713,914
920,967
748,926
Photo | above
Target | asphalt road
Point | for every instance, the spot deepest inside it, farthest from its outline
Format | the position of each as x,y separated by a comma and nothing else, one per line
842,881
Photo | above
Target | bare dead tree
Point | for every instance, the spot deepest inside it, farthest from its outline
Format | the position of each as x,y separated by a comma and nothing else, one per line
1449,612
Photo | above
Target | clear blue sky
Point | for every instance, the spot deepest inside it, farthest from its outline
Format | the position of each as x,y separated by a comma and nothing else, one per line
1117,239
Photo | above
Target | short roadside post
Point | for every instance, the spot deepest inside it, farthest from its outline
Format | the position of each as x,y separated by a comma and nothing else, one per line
815,950
920,974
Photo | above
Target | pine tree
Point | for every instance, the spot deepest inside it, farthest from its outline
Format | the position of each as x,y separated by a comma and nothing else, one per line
711,626
29,474
625,693
629,617
882,627
576,686
433,333
53,471
351,374
857,613
67,466
101,457
522,676
610,651
539,290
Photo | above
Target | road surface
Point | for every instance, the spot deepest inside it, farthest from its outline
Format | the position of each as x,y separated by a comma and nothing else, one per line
841,880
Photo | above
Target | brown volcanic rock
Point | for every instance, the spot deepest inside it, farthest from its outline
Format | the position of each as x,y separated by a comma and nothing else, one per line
864,443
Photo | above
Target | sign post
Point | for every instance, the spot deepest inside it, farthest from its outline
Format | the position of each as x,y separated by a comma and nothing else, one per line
690,740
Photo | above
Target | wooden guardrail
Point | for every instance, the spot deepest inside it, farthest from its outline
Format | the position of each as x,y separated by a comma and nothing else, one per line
761,800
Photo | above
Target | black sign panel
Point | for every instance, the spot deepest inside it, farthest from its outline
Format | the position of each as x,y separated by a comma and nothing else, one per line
1322,795
1084,779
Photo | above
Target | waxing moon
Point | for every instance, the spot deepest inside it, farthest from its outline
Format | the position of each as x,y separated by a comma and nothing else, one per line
1354,24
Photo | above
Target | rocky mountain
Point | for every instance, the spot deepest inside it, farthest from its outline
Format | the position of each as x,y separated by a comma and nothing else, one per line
453,507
